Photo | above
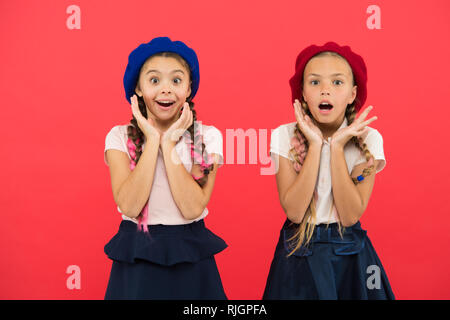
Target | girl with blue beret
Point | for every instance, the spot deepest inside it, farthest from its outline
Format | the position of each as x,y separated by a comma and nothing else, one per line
326,164
163,166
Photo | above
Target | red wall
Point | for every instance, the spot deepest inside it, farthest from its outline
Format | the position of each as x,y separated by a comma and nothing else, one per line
62,92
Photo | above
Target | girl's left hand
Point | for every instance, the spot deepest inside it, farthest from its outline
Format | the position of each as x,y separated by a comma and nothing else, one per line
357,128
177,129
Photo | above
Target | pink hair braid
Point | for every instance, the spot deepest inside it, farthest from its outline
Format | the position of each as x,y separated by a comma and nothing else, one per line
143,216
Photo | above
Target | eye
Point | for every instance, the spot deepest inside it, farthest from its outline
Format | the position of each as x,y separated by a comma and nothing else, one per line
313,81
338,81
154,80
177,80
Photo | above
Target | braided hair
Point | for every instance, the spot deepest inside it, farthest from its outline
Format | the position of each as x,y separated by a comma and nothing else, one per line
198,151
299,150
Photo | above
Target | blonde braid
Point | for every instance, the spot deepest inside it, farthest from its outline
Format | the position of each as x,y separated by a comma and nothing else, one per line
298,152
350,113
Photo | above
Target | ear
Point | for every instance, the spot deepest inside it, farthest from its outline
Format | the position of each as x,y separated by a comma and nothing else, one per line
354,92
189,89
138,90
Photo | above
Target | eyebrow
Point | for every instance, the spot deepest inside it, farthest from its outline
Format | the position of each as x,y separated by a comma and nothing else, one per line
318,75
156,71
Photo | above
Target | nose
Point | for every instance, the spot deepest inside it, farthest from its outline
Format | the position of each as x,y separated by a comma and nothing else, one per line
166,90
325,90
166,87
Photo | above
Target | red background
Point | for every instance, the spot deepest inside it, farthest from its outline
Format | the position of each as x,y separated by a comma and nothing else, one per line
62,92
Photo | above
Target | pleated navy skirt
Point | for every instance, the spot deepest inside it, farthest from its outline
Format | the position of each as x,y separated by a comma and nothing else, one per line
170,262
328,268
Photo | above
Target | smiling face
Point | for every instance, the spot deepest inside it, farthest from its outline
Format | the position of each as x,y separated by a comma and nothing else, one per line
328,78
164,84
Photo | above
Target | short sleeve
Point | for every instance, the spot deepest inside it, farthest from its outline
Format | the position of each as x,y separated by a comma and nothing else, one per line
280,142
374,142
214,142
115,139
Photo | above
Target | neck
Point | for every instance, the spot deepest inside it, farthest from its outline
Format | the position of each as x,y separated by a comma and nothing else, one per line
328,129
163,125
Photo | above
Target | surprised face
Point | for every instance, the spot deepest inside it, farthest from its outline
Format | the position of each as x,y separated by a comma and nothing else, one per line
164,84
328,88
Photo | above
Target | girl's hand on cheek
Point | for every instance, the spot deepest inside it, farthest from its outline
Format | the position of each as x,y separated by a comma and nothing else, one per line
176,130
356,129
147,126
312,133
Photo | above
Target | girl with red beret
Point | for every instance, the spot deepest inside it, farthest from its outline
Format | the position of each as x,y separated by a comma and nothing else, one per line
327,161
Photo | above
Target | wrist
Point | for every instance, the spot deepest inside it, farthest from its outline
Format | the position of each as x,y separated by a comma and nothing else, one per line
153,138
316,144
167,143
336,146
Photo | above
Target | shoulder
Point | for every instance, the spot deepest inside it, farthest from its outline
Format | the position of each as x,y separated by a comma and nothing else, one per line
119,130
210,133
117,137
208,129
284,130
374,142
280,139
373,138
212,138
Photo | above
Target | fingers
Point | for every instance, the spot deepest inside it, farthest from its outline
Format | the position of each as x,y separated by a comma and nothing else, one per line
362,125
134,107
189,117
365,123
298,112
362,128
186,117
364,114
187,114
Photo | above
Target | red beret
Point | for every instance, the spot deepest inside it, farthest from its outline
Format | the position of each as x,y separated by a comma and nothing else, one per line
356,63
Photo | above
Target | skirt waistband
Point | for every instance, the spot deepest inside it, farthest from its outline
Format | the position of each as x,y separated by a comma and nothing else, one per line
326,233
164,244
127,225
352,240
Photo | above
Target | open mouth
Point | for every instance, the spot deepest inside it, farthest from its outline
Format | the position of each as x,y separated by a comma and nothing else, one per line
165,104
325,106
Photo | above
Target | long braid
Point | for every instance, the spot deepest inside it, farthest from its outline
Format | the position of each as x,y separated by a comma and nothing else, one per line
350,113
134,145
197,149
300,148
195,140
298,151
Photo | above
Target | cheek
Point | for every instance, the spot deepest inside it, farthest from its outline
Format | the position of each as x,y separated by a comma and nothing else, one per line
182,91
306,93
149,91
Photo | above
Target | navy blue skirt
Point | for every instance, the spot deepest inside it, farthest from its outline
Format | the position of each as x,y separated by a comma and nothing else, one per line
169,262
328,268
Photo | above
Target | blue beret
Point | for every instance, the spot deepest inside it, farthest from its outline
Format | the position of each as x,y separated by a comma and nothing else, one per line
161,44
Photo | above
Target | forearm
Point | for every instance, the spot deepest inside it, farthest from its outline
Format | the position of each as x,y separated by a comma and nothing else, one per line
188,195
347,199
135,190
298,197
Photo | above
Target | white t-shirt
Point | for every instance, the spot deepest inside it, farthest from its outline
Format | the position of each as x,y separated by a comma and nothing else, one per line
162,208
280,144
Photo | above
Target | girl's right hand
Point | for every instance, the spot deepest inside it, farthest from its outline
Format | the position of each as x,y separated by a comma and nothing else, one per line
312,133
147,126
